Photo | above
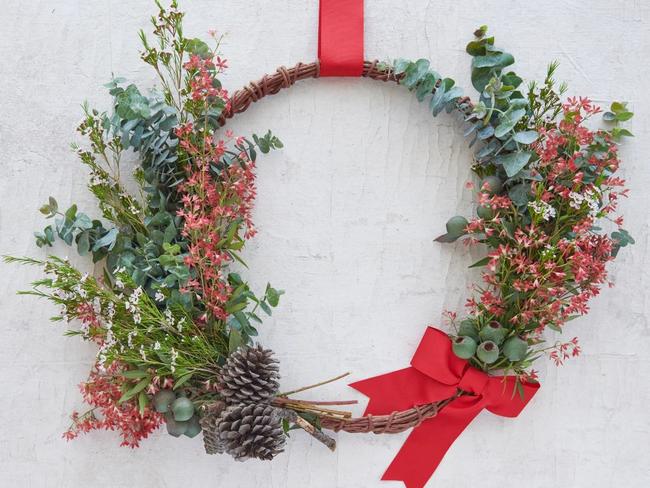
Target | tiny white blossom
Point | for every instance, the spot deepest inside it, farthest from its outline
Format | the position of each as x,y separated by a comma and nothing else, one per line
80,291
156,346
159,297
130,337
169,318
576,200
591,198
85,329
109,340
101,360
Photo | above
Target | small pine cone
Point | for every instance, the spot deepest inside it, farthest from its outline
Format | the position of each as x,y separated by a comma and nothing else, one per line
250,375
252,431
210,428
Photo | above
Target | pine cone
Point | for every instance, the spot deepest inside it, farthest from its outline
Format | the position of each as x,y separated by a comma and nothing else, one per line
210,425
251,431
250,375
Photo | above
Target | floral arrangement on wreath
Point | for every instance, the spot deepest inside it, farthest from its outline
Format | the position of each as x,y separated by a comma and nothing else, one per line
174,323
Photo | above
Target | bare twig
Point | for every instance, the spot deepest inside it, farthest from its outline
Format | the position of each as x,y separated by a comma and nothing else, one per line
317,402
317,434
308,407
316,385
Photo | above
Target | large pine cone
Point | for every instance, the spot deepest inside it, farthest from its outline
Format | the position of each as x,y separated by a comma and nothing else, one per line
210,428
250,375
251,431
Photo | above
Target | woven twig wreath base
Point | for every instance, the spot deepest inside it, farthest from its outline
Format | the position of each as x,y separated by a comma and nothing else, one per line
398,421
394,423
286,77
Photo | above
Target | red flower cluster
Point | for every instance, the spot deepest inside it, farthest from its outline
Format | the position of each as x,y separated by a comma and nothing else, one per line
203,82
218,192
215,205
544,273
102,392
564,351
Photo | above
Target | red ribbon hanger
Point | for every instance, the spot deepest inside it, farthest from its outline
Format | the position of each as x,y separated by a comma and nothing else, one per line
340,37
435,374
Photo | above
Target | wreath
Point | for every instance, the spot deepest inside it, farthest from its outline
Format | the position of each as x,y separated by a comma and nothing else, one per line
175,322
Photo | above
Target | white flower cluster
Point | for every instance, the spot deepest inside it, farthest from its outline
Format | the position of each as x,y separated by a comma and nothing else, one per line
119,284
131,304
64,296
590,197
169,318
543,209
78,289
548,252
109,342
174,357
98,179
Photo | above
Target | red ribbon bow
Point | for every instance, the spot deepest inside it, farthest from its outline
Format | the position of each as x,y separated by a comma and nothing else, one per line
436,373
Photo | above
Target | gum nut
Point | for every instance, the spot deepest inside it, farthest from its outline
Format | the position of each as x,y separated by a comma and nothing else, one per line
468,328
488,352
515,349
464,347
193,427
456,226
492,184
183,409
485,213
162,400
493,332
174,427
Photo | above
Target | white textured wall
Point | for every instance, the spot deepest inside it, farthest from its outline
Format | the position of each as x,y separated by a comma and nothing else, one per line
347,213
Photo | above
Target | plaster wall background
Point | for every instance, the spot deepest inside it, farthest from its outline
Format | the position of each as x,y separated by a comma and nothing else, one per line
347,213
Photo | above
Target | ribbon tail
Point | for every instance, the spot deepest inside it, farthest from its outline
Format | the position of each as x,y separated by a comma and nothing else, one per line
427,444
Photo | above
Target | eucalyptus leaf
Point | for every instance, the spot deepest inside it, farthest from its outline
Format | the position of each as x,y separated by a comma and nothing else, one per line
498,60
526,137
83,243
198,47
107,240
514,162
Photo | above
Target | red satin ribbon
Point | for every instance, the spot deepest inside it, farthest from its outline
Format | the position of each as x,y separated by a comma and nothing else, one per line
340,37
436,373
